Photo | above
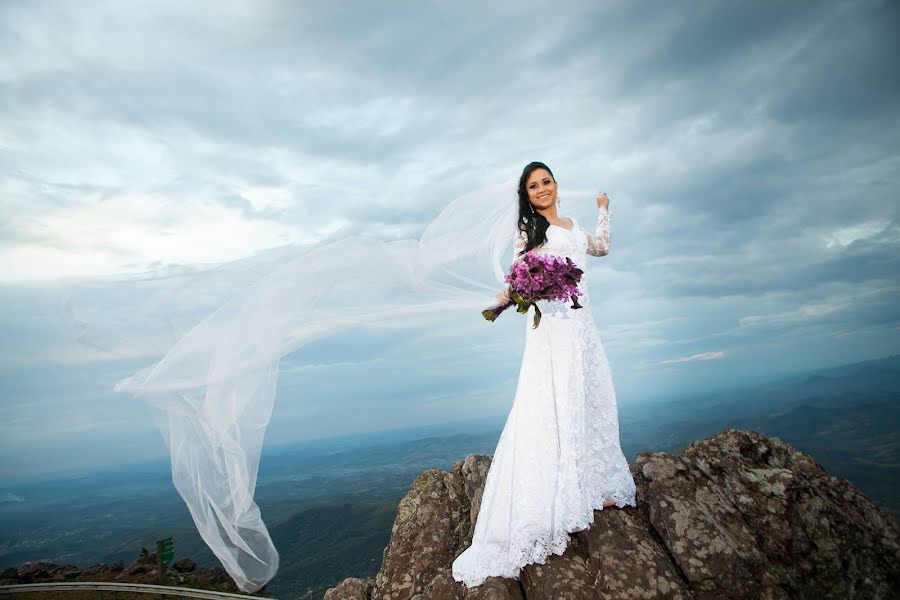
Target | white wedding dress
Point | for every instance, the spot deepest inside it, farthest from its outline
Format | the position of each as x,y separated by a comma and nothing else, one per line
558,457
217,333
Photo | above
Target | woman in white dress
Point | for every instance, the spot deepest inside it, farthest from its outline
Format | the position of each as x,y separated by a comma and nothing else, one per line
223,329
558,457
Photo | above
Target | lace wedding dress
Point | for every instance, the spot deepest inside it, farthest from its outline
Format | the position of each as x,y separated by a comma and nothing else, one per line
558,457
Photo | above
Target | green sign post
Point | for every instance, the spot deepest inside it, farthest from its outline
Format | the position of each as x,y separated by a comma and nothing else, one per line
165,551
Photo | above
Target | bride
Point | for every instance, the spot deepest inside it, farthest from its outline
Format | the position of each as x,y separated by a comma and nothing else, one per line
222,329
558,458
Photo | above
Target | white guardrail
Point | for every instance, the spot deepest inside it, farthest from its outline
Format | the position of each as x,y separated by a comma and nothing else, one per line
10,591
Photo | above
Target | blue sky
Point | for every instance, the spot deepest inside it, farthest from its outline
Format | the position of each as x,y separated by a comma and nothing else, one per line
750,152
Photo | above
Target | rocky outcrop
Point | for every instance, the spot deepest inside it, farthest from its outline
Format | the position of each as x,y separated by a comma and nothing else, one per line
737,515
182,573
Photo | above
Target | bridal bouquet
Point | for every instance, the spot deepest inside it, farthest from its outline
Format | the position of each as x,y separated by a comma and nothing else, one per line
537,277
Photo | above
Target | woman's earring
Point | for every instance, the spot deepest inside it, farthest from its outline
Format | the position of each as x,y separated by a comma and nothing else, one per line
557,199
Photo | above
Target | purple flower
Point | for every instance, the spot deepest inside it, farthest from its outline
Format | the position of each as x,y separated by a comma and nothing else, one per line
538,277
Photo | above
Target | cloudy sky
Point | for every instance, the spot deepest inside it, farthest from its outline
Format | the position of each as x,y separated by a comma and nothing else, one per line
749,150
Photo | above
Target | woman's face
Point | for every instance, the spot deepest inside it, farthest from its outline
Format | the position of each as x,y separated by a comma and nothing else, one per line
541,189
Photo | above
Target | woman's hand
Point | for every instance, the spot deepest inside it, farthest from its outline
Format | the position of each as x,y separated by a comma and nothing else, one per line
602,201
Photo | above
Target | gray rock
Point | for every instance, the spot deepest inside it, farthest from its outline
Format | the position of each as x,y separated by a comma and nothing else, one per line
351,588
184,565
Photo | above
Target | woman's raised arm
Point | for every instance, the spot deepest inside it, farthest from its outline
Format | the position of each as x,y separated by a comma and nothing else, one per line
598,242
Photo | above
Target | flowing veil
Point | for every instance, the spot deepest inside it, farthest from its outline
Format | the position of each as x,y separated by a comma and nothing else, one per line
222,329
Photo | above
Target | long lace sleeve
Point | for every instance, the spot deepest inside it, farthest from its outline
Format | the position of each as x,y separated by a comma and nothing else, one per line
598,243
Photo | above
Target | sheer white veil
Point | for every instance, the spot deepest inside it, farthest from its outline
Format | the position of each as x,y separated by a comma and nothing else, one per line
222,329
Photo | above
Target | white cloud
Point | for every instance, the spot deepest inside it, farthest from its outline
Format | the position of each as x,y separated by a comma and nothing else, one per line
844,236
695,357
750,154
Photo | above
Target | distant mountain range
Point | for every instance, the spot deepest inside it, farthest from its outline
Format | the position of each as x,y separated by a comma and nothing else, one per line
738,515
330,504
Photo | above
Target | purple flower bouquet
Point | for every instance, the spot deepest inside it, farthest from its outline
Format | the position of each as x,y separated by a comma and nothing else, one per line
537,277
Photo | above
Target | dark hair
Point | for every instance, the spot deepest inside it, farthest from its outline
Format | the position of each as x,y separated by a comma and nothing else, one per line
531,223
